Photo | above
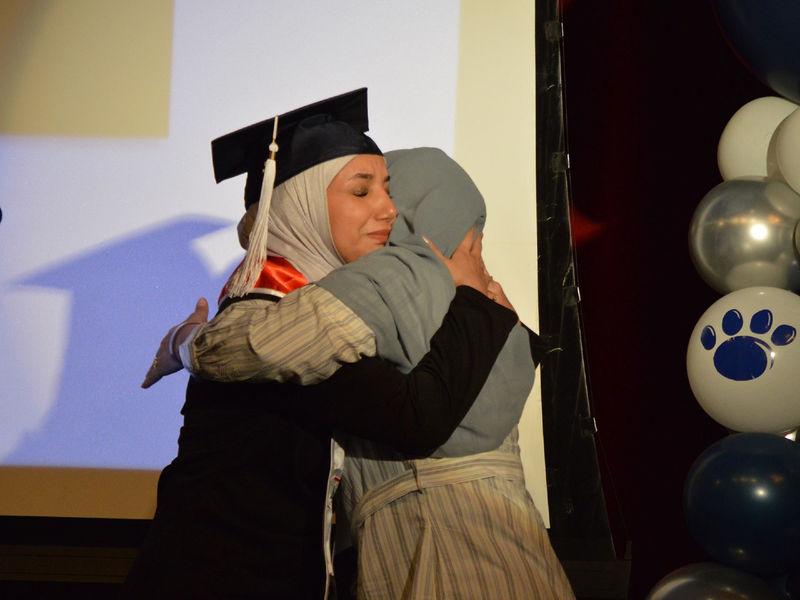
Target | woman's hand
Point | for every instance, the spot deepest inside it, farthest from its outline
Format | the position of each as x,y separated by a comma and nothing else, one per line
466,266
166,360
497,294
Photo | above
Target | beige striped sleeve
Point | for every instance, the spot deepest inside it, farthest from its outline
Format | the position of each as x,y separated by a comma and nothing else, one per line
303,338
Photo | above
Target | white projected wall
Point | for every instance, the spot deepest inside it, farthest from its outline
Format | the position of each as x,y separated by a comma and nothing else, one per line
105,241
111,222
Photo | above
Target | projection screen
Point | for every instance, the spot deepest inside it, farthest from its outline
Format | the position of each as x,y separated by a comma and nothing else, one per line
112,225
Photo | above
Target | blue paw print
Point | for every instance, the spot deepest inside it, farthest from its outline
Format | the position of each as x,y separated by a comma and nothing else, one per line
744,357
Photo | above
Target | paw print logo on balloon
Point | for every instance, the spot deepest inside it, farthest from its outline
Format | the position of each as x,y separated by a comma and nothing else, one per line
746,357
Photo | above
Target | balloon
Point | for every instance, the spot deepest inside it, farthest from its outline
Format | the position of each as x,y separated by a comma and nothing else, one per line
788,586
742,502
765,36
743,360
741,235
797,241
710,581
745,141
784,152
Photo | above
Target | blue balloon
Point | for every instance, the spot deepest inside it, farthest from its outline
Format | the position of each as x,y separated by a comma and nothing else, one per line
765,35
788,586
742,502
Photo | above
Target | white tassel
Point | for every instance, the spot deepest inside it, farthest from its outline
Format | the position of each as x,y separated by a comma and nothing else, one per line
245,277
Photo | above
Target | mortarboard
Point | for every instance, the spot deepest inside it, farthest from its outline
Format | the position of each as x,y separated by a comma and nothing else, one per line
273,151
306,136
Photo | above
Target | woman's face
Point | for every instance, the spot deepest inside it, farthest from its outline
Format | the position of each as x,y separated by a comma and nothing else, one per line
360,210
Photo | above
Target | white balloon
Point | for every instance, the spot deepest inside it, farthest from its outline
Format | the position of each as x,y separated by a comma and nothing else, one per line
784,152
743,360
744,144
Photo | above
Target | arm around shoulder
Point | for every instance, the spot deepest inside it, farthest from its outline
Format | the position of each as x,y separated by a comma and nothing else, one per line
418,411
303,338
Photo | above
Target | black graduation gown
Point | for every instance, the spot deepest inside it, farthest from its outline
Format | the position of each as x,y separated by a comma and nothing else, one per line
240,510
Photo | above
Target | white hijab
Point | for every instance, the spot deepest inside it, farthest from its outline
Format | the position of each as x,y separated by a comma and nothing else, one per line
299,226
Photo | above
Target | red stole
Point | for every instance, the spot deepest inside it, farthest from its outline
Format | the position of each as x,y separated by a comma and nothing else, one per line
277,275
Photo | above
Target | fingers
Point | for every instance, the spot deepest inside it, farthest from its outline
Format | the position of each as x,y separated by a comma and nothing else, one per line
495,292
154,373
200,314
166,361
472,243
487,278
163,364
466,244
477,244
151,378
435,249
476,251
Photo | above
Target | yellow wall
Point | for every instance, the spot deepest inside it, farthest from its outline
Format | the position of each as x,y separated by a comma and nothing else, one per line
495,143
85,67
61,492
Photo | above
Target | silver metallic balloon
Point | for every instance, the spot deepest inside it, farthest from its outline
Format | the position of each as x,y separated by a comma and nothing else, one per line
742,235
710,581
797,241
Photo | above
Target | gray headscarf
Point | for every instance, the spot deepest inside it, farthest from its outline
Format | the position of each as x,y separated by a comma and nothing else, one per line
403,292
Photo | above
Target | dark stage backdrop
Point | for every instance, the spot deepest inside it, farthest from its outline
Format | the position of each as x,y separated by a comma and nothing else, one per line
649,87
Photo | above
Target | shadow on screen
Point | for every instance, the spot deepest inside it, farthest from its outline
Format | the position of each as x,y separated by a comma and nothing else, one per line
125,295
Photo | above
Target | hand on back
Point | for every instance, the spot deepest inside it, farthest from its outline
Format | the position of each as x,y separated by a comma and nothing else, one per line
166,360
466,267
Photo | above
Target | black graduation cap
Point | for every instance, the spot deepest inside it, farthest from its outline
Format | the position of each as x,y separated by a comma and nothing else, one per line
272,151
306,137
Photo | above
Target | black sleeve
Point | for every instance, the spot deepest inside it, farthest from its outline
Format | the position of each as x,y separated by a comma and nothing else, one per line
539,347
417,412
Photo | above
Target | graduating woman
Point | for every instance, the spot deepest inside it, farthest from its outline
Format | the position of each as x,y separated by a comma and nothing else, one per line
244,509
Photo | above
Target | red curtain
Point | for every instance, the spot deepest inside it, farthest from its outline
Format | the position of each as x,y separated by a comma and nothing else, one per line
649,88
